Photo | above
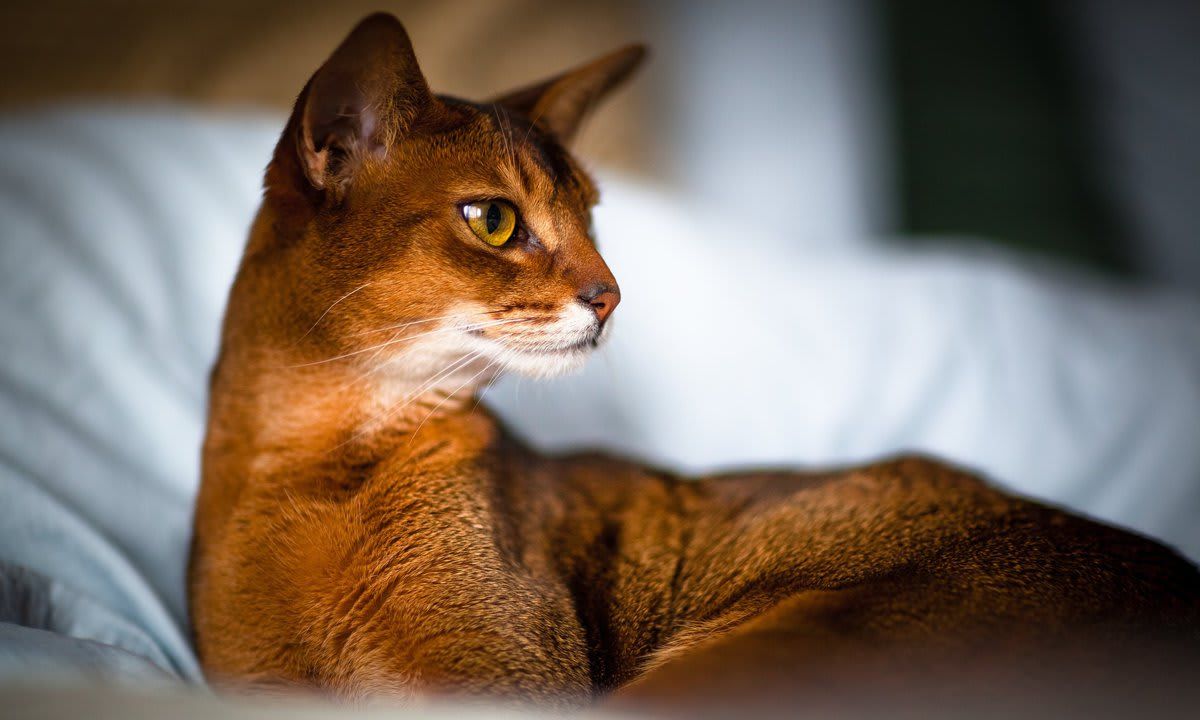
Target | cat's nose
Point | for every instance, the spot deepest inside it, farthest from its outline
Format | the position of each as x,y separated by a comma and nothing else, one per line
602,297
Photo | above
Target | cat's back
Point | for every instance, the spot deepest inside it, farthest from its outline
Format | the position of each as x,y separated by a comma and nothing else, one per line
959,549
900,579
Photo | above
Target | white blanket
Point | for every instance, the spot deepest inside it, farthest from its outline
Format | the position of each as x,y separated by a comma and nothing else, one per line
120,234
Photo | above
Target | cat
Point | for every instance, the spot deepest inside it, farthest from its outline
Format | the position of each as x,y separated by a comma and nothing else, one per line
365,527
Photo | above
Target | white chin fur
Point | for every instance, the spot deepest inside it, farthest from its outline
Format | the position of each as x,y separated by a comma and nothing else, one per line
449,360
575,324
542,365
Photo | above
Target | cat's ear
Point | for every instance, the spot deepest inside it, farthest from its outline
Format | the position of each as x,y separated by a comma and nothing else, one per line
368,91
560,103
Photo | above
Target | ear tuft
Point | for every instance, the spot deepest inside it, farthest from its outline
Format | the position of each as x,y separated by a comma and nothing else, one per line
369,90
560,104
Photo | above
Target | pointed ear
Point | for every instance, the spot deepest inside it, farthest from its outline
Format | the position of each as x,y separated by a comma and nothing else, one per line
367,92
560,103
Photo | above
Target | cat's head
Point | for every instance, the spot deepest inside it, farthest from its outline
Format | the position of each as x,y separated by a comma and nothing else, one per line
422,230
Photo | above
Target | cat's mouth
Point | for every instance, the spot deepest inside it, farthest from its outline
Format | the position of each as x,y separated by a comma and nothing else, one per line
584,345
546,347
590,342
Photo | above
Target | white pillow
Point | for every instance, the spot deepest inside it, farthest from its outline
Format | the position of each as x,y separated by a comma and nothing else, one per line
121,232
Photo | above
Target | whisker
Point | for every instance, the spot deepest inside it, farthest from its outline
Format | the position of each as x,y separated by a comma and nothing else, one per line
488,386
532,122
410,323
512,144
457,328
504,125
410,397
381,366
335,302
374,369
443,402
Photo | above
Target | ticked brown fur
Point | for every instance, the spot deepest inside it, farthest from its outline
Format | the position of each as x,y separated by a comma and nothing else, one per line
364,527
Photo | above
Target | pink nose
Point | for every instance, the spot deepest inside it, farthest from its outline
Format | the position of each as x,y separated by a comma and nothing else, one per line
602,297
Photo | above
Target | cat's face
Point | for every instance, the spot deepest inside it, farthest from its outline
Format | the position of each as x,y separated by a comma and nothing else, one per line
442,235
473,240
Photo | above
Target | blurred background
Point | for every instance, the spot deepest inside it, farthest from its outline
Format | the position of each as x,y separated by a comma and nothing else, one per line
970,228
1063,128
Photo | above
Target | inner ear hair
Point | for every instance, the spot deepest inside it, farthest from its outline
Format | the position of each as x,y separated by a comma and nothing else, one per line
368,91
559,104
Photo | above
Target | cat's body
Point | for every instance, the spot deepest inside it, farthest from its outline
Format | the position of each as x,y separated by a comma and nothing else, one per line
464,561
364,527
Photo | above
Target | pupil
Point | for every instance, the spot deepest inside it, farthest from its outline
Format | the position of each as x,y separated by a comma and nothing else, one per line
493,218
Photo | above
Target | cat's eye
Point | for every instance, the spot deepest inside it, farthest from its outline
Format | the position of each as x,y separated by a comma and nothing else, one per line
492,221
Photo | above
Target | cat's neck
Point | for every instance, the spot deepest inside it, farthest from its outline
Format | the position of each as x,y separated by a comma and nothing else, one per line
330,406
297,430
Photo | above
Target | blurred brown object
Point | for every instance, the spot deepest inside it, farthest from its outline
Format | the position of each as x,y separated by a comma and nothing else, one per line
258,53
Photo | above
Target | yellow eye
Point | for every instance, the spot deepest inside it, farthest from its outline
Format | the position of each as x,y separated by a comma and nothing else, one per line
492,221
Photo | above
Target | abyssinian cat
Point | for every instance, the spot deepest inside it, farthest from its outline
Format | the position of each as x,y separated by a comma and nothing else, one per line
365,527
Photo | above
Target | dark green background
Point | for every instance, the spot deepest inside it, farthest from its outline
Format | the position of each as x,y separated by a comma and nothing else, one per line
992,132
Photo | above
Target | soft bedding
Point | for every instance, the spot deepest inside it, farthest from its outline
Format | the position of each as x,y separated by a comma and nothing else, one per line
120,234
